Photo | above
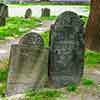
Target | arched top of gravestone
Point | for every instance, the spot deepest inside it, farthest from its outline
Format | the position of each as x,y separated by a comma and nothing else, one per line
32,39
68,19
28,13
3,10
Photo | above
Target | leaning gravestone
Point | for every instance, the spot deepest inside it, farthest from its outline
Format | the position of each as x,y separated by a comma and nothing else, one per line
28,65
28,13
45,12
66,54
3,14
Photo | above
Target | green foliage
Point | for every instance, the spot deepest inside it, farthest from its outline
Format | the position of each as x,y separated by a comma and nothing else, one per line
3,78
48,18
87,82
45,37
84,19
43,94
16,26
92,58
72,87
2,88
3,73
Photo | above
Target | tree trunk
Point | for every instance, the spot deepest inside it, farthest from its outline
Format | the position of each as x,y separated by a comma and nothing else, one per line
93,27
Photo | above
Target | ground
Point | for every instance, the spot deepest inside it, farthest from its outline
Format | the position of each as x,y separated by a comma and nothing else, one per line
89,88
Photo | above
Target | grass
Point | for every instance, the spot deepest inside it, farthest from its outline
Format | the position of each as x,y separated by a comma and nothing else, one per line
92,58
72,87
3,79
16,26
48,18
43,94
87,82
85,19
45,37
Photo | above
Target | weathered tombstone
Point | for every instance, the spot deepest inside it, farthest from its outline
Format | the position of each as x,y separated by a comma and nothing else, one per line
28,13
45,12
3,14
66,54
28,65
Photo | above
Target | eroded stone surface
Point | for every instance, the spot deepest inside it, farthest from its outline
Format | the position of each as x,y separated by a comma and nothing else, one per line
28,13
3,14
32,39
28,65
66,56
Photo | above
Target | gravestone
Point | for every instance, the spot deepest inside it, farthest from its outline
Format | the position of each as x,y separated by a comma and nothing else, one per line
28,13
3,14
45,12
66,54
28,65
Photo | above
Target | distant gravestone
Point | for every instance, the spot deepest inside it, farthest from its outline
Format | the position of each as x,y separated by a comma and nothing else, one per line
66,54
45,12
3,14
28,65
28,13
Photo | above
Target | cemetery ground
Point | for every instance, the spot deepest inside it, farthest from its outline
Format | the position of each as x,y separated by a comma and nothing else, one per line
89,89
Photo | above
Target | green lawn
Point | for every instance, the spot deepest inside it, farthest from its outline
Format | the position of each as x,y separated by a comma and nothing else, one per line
16,26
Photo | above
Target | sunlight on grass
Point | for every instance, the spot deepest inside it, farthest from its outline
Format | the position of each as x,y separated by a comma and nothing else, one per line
45,37
87,81
44,94
92,58
72,87
16,26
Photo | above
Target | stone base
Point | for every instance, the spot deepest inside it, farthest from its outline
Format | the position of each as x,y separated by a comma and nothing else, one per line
27,70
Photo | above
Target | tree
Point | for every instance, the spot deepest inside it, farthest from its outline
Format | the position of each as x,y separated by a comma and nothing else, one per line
93,27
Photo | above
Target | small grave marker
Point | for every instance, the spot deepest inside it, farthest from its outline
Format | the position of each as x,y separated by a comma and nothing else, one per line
3,14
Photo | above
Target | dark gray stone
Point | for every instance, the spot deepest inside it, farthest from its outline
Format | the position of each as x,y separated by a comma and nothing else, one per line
3,14
3,10
28,65
28,13
2,21
45,12
32,39
66,54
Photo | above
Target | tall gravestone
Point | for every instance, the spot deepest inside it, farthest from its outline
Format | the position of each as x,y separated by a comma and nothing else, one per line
3,14
66,54
28,65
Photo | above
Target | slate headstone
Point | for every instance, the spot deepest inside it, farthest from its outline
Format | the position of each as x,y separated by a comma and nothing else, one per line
66,54
3,14
28,65
28,13
45,12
